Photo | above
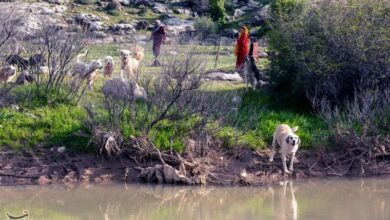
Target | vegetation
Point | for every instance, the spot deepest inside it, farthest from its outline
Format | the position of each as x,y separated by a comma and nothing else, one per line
205,27
217,11
329,51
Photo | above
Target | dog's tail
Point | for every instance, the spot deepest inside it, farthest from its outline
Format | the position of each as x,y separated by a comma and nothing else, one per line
139,55
295,129
81,55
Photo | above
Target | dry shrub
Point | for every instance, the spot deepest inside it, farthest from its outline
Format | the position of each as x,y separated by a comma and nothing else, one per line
361,130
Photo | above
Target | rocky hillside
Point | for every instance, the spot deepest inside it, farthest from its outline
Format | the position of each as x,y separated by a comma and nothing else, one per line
114,21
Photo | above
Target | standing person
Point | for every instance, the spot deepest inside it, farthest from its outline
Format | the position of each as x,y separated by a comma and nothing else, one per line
242,49
253,48
158,36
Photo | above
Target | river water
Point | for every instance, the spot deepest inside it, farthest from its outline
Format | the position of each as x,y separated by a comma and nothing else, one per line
318,199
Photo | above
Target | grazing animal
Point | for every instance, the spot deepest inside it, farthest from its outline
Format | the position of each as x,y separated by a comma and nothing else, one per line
253,76
18,61
6,73
285,137
130,62
108,66
86,70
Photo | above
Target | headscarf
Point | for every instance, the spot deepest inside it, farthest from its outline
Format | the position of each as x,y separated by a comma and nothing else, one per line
157,26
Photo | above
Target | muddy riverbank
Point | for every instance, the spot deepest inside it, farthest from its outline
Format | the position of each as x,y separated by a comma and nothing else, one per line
236,167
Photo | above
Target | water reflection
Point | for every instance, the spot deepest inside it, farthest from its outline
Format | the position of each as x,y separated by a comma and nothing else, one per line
346,199
284,206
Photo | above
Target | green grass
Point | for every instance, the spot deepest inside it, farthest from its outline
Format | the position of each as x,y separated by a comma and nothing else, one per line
49,126
38,123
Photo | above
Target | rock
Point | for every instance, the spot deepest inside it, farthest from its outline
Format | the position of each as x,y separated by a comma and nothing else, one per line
139,92
43,180
182,11
199,6
238,13
47,11
58,2
141,25
163,174
89,22
95,26
60,8
61,149
177,26
236,99
224,76
28,114
262,15
253,4
160,8
263,54
122,29
15,107
125,2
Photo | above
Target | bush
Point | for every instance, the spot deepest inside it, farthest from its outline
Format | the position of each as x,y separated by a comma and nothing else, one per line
217,11
205,27
282,9
113,5
329,51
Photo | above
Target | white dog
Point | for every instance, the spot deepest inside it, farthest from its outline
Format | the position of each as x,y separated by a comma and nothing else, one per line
130,62
289,142
86,70
108,66
6,73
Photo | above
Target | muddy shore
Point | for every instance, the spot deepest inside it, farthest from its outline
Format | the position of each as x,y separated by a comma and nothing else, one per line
48,166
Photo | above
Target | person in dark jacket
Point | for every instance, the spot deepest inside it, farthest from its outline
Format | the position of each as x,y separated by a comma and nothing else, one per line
158,37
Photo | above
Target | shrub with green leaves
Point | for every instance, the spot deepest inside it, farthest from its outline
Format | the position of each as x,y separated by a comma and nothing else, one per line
217,10
329,50
205,27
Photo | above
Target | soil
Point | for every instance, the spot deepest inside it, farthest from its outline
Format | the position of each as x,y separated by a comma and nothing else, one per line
237,167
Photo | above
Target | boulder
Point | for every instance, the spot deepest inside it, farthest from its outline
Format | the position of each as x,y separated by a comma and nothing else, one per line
222,76
177,26
183,11
238,12
122,29
58,2
160,8
261,16
95,26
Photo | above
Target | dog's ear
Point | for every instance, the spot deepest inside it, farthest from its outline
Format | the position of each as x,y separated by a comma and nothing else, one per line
299,140
288,139
295,129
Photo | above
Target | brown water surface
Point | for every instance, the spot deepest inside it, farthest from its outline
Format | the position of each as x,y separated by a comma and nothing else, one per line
320,199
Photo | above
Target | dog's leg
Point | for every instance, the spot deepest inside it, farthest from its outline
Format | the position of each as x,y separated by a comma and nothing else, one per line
122,77
284,163
292,161
246,79
254,84
274,143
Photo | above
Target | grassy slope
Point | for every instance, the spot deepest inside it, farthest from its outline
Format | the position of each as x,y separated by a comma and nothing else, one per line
61,125
35,123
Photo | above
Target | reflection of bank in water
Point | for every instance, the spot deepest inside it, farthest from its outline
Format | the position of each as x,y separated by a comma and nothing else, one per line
25,215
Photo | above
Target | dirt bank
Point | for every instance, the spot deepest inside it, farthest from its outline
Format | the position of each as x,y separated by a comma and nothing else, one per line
236,167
